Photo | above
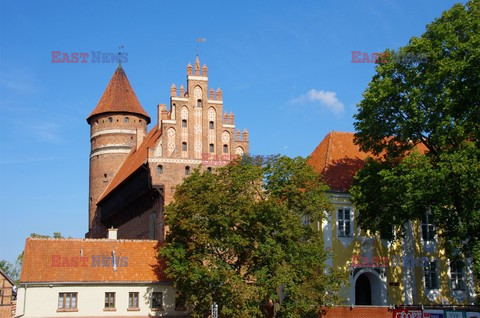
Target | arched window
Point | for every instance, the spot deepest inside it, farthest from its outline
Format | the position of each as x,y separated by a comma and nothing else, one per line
211,148
126,119
211,125
159,169
184,146
187,170
225,148
184,123
110,119
209,169
199,103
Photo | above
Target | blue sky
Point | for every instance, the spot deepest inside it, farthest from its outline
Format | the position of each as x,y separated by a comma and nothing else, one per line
284,67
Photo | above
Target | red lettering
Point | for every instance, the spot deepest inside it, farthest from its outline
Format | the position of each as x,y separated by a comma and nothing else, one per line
83,261
374,57
75,58
365,58
74,261
84,56
355,57
65,58
56,260
55,55
65,262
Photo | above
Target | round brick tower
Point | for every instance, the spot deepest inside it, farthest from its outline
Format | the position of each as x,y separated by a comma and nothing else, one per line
117,124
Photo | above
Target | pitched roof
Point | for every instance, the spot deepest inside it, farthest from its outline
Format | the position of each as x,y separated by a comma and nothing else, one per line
81,260
6,277
338,159
134,160
119,97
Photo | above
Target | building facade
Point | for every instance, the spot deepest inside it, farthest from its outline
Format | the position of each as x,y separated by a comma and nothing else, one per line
133,173
414,270
95,278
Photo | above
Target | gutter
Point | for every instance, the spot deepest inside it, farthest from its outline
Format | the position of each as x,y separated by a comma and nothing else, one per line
24,301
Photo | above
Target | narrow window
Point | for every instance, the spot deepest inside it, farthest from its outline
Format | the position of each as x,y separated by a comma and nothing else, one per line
225,148
431,275
344,222
67,300
126,119
457,275
428,227
184,146
157,300
209,169
184,123
133,300
110,119
211,148
109,300
211,125
187,170
159,169
199,103
306,220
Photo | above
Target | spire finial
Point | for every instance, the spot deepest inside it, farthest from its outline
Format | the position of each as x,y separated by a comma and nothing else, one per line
120,57
200,40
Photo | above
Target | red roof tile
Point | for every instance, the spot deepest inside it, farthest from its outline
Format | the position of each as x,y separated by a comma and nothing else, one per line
338,159
134,160
75,260
119,97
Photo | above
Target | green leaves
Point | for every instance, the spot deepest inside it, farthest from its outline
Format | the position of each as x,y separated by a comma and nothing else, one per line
435,104
236,237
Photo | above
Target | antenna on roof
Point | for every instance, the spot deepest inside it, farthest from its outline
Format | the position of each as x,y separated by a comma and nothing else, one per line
200,40
120,55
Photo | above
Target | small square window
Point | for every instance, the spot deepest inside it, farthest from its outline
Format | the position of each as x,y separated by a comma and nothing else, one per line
109,300
67,300
133,300
157,300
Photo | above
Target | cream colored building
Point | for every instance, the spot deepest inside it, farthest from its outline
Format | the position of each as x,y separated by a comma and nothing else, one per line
95,278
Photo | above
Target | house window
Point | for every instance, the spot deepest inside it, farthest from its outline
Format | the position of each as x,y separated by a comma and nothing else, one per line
344,218
184,123
457,275
133,300
67,300
110,119
180,304
187,170
184,146
211,148
126,119
225,148
109,300
431,275
157,300
428,227
211,125
306,220
159,169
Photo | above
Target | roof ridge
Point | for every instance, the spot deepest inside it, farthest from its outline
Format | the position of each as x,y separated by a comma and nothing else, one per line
88,239
328,148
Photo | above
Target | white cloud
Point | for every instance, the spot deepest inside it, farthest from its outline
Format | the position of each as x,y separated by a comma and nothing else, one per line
325,99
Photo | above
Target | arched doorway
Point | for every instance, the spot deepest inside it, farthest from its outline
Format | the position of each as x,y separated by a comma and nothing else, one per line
363,291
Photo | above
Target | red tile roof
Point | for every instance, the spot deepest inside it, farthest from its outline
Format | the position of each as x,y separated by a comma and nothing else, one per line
75,260
119,97
134,160
338,159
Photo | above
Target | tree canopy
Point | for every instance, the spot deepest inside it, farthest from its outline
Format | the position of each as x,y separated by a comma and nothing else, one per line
245,234
434,103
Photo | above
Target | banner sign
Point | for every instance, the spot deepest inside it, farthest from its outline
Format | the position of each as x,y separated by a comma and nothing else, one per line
454,314
407,313
431,313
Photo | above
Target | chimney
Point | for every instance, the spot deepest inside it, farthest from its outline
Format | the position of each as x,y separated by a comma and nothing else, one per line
112,233
162,108
140,136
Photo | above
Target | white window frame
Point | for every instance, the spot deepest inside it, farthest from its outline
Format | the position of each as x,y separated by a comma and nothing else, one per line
343,222
428,274
457,277
428,227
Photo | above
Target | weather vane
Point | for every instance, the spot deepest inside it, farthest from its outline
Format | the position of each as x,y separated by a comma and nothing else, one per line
200,40
120,48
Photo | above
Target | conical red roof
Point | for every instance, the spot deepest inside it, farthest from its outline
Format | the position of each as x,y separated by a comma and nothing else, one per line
119,97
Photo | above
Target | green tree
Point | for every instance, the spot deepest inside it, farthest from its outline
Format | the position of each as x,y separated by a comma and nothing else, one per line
434,103
237,237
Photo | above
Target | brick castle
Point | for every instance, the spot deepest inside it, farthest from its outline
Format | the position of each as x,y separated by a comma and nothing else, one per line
133,173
